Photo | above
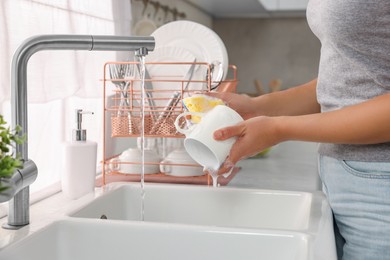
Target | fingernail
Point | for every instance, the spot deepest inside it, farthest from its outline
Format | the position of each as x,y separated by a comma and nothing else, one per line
217,134
228,164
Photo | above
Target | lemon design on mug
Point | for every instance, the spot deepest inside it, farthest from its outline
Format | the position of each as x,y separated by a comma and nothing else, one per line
200,103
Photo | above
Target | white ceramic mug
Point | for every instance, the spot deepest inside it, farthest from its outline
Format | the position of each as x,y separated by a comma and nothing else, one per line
180,163
199,141
130,162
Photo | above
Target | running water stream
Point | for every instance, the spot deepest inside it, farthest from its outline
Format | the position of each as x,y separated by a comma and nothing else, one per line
143,94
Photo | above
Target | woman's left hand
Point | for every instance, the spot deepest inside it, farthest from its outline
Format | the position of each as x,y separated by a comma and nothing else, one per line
253,136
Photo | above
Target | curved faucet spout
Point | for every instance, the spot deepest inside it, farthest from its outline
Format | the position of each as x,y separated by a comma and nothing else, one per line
19,204
19,180
59,42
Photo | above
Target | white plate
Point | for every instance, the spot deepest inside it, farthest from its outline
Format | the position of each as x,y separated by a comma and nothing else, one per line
200,40
169,54
172,72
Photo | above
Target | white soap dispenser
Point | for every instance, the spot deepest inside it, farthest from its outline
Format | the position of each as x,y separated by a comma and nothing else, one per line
79,164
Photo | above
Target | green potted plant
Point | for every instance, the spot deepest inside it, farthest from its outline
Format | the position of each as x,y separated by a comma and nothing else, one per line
8,162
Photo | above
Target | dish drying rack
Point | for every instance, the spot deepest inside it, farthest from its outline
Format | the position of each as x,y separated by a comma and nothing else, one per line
123,104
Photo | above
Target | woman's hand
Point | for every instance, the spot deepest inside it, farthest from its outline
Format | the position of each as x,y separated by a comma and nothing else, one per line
253,136
300,100
243,104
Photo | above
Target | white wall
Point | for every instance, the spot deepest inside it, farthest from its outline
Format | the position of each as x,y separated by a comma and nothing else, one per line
272,48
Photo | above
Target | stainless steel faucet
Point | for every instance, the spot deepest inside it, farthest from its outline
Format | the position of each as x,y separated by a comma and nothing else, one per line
18,193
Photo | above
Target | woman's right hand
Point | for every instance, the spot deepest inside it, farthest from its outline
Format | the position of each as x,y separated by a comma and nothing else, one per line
253,136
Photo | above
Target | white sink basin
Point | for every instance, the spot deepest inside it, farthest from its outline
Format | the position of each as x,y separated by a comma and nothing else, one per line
82,239
224,207
182,222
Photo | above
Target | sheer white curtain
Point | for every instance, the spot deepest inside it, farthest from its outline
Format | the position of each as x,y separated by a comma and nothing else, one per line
59,81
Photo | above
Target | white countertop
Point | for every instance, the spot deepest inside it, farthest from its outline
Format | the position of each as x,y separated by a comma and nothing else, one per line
288,166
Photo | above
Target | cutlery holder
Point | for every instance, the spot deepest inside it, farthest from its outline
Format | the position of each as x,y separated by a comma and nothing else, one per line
122,126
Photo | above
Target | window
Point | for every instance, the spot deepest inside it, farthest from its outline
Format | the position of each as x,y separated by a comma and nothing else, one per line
59,81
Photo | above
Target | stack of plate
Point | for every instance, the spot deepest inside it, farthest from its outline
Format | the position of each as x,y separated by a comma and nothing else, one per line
198,39
185,41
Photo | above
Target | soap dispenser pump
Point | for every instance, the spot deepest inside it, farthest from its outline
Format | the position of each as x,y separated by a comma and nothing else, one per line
79,164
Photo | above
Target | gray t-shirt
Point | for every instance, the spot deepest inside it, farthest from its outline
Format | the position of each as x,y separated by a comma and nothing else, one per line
354,64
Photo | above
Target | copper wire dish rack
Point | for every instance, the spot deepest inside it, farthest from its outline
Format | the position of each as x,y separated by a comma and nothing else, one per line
123,105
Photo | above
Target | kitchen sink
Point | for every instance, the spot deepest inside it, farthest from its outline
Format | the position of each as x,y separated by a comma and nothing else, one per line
182,222
199,205
80,239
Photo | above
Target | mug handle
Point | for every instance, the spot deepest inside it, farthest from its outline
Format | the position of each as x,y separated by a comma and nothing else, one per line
165,166
188,130
114,164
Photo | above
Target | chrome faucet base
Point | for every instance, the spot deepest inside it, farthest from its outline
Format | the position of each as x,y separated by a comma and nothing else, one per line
12,227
